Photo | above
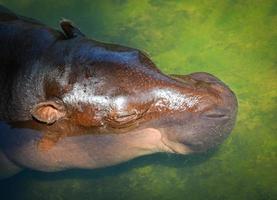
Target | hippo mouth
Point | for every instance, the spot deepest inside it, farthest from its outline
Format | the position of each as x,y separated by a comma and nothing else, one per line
174,147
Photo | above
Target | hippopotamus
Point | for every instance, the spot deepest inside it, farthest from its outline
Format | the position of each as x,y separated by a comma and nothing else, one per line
68,101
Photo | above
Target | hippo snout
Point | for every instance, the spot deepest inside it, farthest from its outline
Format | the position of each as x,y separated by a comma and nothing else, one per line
228,106
212,121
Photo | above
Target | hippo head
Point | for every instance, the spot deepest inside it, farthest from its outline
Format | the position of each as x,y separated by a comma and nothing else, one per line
98,88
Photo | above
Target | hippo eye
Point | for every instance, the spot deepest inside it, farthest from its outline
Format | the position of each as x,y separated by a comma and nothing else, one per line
120,119
125,119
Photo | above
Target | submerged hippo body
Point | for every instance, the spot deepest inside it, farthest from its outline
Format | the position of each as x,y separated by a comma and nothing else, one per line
71,102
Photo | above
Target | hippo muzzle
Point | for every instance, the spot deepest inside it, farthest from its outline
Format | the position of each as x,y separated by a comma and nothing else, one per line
200,131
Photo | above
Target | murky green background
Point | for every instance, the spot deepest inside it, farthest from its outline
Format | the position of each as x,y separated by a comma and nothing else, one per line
234,40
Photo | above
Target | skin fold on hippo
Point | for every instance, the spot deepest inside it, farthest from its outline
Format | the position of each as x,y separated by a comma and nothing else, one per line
68,101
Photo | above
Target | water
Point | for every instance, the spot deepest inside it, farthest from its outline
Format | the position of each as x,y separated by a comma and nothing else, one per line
234,40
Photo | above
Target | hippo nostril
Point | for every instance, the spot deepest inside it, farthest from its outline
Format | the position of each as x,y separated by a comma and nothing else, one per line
217,113
206,77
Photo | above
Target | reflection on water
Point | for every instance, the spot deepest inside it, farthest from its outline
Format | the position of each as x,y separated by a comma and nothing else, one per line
232,40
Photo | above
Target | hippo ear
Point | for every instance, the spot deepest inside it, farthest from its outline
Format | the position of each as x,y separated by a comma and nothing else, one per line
49,111
70,30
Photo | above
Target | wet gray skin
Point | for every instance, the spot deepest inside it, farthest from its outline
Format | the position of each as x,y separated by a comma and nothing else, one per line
71,102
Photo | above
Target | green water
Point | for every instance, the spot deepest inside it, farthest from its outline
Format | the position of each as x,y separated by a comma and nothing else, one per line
234,40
